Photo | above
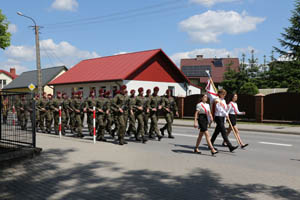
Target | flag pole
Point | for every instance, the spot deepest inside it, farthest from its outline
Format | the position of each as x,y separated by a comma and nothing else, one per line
227,117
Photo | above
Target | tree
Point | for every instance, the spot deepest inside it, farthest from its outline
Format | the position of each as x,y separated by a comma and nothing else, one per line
4,34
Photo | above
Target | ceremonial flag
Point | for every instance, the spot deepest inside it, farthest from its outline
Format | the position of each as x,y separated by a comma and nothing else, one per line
211,91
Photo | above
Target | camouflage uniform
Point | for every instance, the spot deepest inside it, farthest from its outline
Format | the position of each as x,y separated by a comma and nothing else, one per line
170,107
155,103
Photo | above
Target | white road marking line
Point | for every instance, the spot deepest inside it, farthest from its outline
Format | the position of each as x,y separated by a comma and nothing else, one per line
195,136
278,144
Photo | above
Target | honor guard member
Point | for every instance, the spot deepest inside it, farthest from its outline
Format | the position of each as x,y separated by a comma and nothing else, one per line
23,109
114,116
49,113
141,106
67,108
220,114
155,106
147,111
56,103
131,113
90,103
83,107
108,113
100,114
119,102
41,105
126,109
37,111
169,108
72,114
76,106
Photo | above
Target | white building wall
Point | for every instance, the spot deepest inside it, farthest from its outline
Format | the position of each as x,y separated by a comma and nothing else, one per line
178,88
4,77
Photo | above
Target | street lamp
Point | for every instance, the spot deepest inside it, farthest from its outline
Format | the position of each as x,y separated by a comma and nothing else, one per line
37,50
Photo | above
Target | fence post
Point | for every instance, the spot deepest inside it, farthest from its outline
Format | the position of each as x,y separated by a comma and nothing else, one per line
259,107
180,104
33,120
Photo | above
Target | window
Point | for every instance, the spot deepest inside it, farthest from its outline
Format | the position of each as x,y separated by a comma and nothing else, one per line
196,71
4,83
172,88
218,62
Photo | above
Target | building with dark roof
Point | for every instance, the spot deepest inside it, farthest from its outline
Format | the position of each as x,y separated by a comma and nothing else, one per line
6,77
145,69
194,68
21,83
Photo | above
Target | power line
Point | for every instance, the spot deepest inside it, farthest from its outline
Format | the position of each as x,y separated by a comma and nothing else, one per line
136,10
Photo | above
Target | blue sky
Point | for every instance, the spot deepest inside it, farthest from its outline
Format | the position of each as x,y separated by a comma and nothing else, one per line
79,29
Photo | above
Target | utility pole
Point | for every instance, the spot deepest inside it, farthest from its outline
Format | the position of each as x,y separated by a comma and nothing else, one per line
38,57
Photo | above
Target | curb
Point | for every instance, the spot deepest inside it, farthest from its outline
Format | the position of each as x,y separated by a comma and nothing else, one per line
246,129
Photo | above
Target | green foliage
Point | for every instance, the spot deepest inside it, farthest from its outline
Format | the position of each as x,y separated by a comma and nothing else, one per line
4,35
249,88
294,87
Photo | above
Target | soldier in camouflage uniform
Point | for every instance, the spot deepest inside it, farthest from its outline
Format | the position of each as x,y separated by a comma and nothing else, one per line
126,109
147,112
77,106
155,106
101,108
49,113
83,107
41,105
72,114
56,103
114,116
90,104
119,102
169,108
23,107
131,113
141,108
108,113
37,112
67,108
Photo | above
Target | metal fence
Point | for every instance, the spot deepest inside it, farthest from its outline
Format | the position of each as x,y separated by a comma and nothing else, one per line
17,127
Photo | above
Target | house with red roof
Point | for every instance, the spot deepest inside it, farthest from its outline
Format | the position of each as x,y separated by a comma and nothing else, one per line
194,68
6,77
146,69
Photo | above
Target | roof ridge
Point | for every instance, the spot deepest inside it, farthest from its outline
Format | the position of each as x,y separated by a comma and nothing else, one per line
45,68
122,54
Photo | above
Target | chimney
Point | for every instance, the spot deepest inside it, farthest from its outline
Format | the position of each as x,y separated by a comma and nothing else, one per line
199,57
13,71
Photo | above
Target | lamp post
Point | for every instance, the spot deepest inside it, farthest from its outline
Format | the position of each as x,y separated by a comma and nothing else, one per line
37,50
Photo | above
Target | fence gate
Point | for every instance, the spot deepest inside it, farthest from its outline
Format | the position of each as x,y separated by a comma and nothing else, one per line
17,127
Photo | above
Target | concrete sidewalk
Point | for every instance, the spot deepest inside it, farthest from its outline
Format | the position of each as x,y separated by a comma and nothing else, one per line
267,128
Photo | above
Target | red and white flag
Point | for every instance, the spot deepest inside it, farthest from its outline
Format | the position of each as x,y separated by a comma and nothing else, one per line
211,92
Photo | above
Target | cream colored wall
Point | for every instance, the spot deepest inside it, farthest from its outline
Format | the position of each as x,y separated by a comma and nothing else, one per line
5,77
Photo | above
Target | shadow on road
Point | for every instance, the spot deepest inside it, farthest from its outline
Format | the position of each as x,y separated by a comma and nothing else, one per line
43,177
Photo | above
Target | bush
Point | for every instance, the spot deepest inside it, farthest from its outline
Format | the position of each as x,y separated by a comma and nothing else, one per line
249,88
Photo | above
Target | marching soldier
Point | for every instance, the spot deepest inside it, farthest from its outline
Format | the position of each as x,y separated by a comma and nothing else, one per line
131,113
83,107
41,105
23,109
141,108
67,109
126,109
119,102
147,112
101,111
155,106
108,113
37,111
58,101
72,114
169,108
90,103
49,114
77,105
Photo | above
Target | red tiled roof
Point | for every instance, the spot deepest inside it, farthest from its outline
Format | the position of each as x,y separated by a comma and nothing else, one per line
117,67
217,73
8,74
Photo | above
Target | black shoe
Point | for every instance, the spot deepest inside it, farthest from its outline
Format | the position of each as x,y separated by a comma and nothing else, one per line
243,146
213,153
171,136
121,142
151,136
233,148
197,151
214,148
162,132
144,140
137,138
159,137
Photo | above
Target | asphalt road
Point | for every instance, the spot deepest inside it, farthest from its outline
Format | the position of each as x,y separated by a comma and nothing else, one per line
71,168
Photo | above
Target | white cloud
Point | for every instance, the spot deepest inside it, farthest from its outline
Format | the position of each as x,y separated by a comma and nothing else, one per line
209,3
62,53
121,52
70,5
211,53
208,26
10,63
12,28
